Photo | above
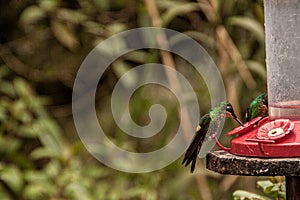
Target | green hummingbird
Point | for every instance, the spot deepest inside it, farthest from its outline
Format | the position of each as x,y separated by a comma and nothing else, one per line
211,121
258,107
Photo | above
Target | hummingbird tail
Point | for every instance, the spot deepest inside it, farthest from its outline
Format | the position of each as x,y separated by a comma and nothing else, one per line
193,164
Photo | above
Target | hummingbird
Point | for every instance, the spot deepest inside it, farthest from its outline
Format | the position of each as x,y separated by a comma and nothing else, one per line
258,107
211,120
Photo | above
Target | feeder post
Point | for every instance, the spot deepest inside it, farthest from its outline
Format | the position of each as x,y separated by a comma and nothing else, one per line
282,25
292,187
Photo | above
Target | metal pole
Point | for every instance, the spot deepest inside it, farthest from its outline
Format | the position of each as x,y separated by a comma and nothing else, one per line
282,24
292,187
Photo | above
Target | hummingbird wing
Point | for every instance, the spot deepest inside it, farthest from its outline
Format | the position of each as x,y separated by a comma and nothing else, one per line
195,146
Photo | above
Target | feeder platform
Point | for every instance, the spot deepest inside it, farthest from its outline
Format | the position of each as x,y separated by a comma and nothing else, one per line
226,163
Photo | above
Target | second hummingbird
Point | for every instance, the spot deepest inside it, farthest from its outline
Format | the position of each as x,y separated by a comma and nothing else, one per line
258,107
211,120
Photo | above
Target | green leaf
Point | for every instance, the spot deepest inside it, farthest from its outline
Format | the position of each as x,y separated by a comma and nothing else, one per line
64,34
168,4
32,14
93,27
69,15
3,113
39,190
269,188
35,176
120,68
22,88
102,4
202,37
44,152
282,195
265,185
244,195
77,191
176,10
50,135
115,28
9,145
3,71
100,191
95,171
7,88
249,24
257,68
53,168
49,5
27,131
4,195
138,56
19,111
12,176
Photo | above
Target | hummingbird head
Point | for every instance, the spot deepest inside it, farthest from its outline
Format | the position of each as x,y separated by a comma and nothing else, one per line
263,101
230,113
258,107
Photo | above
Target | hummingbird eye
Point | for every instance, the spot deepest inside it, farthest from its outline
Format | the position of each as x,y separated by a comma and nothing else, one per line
229,108
265,101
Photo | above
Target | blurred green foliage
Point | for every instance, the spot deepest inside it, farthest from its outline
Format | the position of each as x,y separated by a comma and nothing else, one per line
272,189
42,46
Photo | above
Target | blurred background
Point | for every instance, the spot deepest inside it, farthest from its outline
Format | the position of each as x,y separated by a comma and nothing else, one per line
42,45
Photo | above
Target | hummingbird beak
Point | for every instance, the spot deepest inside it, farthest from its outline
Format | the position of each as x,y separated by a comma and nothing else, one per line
239,121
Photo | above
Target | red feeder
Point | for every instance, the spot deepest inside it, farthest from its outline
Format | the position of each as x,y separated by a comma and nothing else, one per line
270,138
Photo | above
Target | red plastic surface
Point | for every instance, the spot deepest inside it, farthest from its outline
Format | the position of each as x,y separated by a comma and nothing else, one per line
262,140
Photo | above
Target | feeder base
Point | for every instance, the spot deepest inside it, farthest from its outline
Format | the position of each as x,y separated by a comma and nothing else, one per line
227,163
